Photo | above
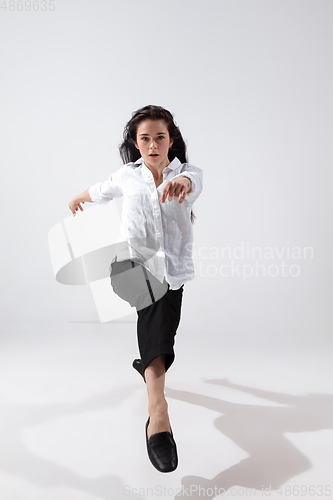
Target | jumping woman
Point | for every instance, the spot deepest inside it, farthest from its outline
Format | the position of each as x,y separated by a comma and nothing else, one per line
159,188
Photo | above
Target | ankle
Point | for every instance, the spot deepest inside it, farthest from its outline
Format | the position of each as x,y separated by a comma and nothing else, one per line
158,406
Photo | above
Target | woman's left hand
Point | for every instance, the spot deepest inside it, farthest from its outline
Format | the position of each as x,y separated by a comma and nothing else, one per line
176,188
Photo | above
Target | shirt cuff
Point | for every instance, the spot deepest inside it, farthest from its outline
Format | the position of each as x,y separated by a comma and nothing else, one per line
91,193
96,195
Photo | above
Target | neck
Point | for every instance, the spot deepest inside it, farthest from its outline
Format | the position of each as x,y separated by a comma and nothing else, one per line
158,168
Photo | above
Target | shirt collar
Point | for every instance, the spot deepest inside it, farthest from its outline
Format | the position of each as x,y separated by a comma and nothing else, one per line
172,165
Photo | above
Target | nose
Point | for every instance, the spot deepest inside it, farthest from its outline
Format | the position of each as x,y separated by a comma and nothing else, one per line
153,144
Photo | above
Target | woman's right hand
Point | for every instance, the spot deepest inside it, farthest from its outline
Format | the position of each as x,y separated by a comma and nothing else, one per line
75,205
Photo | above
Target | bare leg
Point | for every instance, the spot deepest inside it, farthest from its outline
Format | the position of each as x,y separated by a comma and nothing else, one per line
157,406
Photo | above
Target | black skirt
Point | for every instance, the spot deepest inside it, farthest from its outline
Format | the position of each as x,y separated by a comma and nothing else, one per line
158,321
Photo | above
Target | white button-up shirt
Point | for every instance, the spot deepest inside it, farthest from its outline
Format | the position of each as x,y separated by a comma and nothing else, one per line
159,235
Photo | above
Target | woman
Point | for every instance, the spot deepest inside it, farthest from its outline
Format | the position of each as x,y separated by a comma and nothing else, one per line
159,187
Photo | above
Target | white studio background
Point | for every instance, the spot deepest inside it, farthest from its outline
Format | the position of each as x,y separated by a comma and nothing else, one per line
250,85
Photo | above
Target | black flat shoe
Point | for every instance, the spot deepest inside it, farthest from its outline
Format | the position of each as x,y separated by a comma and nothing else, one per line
162,450
137,365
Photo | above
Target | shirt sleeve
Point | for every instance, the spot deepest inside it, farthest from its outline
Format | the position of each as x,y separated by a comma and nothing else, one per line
103,192
196,176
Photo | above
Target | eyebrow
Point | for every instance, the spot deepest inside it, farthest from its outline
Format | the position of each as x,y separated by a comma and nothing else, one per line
159,133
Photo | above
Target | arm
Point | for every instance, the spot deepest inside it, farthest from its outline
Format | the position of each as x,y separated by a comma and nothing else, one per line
75,203
187,185
101,192
195,174
176,189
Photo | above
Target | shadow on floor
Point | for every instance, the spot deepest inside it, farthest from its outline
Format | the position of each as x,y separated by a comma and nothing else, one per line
17,460
259,430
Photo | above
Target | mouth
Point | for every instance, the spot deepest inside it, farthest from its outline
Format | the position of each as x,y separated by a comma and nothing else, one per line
153,154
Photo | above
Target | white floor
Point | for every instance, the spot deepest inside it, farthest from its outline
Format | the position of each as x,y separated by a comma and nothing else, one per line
248,410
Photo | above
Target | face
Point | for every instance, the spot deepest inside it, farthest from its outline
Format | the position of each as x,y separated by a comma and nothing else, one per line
153,142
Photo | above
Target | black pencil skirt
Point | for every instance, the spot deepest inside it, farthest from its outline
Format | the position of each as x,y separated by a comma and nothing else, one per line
158,322
157,326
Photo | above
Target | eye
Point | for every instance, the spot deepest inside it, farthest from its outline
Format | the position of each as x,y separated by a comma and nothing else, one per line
161,136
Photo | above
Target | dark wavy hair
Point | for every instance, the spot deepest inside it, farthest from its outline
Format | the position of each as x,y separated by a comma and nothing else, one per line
129,152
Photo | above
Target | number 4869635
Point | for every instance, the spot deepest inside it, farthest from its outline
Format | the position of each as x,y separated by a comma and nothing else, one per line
26,5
